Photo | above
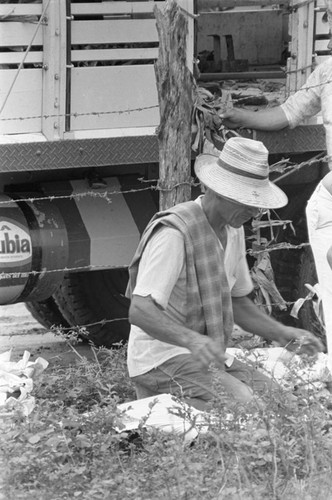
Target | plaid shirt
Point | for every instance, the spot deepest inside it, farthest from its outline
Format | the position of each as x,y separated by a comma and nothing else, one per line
209,307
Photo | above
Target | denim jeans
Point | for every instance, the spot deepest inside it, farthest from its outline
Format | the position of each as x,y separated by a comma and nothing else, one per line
181,376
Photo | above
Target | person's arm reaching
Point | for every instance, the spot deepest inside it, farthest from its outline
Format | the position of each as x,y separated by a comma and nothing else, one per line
265,119
151,318
329,256
249,317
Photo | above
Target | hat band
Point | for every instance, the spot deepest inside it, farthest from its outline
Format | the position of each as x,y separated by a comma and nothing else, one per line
238,171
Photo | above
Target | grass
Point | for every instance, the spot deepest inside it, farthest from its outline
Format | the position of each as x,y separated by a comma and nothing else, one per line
68,447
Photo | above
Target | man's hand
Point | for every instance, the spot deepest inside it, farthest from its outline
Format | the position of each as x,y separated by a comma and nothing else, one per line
232,118
300,341
205,351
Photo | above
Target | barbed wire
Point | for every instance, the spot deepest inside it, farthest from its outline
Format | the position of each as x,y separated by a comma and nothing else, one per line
104,322
136,109
77,115
26,274
90,267
106,194
97,194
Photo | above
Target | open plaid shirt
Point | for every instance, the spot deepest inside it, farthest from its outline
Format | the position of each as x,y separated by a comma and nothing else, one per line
209,307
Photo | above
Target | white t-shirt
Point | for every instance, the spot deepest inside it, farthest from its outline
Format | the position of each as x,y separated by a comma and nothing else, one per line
314,96
162,274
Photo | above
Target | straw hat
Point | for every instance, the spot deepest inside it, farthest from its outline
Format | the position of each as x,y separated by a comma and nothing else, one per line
241,173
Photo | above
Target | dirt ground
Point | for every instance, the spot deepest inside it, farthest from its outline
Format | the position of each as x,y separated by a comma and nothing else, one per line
20,332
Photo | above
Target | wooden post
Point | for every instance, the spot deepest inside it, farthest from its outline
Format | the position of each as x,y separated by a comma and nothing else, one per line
301,31
175,87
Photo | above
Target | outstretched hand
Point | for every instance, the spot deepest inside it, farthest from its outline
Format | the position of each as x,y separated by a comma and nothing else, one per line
301,341
232,118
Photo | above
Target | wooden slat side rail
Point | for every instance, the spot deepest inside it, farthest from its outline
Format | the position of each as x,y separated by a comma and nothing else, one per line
210,5
113,8
114,31
24,103
110,91
14,34
114,54
14,9
17,57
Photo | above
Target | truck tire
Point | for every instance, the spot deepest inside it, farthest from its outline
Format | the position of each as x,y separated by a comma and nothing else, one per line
96,300
47,313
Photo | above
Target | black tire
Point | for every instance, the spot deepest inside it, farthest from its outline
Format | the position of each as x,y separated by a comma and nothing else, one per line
92,297
47,313
307,316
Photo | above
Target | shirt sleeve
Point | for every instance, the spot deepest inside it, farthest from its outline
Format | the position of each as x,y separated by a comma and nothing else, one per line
306,102
243,284
160,265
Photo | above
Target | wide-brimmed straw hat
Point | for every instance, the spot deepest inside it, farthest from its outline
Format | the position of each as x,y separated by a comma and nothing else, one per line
241,173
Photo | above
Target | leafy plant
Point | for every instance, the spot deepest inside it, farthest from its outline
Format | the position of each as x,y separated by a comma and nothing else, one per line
68,447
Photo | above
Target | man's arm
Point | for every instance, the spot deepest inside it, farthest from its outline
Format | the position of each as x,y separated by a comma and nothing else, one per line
249,317
145,314
305,103
329,256
265,119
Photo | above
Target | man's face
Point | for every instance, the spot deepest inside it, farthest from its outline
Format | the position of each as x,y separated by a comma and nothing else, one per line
234,213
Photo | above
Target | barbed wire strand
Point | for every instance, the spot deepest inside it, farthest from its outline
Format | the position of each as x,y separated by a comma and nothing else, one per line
25,274
103,322
106,194
131,110
77,115
97,194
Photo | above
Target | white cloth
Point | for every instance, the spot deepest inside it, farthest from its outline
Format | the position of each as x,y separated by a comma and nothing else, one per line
319,220
166,413
314,96
16,382
162,274
286,367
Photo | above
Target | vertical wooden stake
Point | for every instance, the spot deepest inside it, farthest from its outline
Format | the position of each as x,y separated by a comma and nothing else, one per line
175,87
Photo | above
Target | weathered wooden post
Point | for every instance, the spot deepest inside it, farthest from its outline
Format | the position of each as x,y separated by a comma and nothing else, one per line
175,86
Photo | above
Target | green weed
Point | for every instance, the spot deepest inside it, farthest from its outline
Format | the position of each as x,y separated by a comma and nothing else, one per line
68,447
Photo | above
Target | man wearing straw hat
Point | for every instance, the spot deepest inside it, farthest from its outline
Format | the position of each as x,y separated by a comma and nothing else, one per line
189,281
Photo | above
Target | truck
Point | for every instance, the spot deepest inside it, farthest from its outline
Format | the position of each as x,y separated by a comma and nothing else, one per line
79,150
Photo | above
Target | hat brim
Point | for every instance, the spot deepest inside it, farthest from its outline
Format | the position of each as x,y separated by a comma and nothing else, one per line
249,191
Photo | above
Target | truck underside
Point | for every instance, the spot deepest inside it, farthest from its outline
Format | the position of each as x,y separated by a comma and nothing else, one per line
78,146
